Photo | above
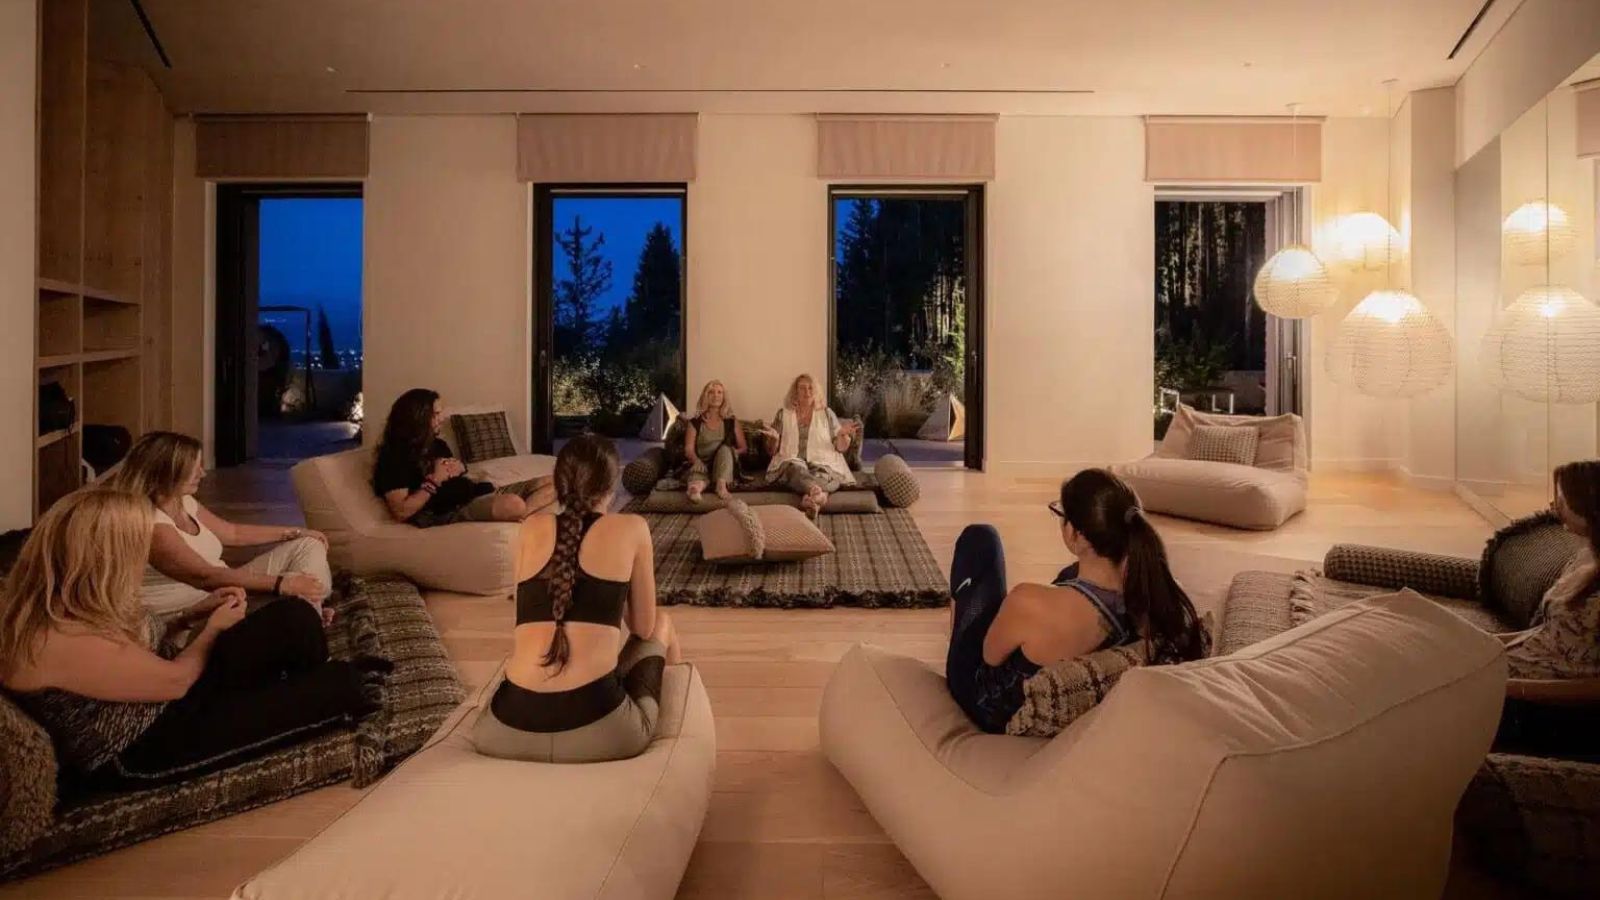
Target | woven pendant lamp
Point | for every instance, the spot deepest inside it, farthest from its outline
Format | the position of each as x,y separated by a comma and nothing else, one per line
1364,240
1390,345
1293,283
1545,347
1537,232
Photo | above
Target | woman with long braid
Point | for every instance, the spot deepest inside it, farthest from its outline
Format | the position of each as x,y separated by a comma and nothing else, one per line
583,683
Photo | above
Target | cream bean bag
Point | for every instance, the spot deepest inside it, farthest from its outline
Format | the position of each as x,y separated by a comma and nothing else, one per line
1325,762
335,494
451,823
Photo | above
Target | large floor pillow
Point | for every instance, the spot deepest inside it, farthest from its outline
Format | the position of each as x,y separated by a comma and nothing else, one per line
674,500
1224,493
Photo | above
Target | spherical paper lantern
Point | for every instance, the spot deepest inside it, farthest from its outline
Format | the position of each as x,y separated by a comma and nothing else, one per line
1546,347
1294,284
1391,346
1538,231
1365,240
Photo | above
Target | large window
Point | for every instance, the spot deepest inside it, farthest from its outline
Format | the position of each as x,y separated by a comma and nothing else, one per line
610,329
906,321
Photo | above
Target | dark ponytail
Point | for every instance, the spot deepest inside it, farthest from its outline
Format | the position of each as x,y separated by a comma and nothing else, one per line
586,470
1106,512
1579,484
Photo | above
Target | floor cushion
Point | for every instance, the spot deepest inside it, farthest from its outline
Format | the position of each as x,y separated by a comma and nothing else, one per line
662,500
1228,494
1281,440
740,533
452,823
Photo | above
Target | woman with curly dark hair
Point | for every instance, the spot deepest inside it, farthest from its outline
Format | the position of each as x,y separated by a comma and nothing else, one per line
1121,591
583,683
423,484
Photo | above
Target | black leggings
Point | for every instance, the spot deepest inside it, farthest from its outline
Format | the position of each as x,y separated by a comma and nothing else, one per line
267,682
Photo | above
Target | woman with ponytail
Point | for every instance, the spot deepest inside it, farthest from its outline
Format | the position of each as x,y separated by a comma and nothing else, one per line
583,683
1120,591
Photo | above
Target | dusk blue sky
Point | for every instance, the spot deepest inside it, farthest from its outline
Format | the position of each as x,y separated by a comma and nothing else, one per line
624,221
310,255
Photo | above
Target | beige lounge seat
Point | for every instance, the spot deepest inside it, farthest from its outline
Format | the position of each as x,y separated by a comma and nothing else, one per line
1261,496
451,823
1323,763
335,494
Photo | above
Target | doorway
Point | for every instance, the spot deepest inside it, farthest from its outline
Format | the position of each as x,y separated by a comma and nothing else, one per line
1215,348
905,351
610,285
288,321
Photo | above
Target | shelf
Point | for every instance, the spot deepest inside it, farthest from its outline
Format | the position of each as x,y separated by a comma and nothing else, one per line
98,356
45,440
55,286
58,360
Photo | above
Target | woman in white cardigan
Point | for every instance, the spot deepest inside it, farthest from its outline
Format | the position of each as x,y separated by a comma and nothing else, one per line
807,443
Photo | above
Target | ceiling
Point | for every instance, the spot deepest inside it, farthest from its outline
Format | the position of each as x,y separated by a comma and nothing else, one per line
1234,57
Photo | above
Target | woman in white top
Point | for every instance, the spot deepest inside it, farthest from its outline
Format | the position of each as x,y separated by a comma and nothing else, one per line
807,444
186,563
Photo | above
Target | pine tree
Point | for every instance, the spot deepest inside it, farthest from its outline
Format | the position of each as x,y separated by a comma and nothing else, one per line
654,306
588,276
327,356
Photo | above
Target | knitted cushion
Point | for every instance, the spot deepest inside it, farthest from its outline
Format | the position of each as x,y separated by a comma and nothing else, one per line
1055,696
740,533
482,436
640,476
668,497
1521,562
27,779
1224,443
1425,573
895,482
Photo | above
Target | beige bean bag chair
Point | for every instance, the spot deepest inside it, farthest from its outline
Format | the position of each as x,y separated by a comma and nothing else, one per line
1258,483
335,493
451,823
1323,763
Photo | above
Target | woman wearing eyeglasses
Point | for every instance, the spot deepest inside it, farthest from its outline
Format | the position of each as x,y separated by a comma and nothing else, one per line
1120,591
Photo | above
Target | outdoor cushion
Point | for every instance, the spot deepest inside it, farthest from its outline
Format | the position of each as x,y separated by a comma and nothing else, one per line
452,823
1282,444
482,436
1240,496
1221,443
740,533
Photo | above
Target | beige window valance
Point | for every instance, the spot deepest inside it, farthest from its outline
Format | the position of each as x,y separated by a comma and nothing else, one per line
939,147
1190,150
281,146
1588,119
590,149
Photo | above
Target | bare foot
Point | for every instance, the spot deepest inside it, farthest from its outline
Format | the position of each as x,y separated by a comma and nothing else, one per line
722,490
694,491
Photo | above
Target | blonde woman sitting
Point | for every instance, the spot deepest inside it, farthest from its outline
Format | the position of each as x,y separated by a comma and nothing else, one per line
712,442
186,564
807,443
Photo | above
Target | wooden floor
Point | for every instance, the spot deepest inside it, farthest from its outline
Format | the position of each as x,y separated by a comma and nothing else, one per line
782,822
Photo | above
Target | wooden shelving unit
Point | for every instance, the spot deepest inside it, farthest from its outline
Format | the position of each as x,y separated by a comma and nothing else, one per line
105,196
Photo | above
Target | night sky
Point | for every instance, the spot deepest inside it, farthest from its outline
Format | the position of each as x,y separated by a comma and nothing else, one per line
311,255
625,222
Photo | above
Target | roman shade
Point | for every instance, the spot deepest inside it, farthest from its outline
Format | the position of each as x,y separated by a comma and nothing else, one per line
941,147
1187,150
601,149
230,147
1588,119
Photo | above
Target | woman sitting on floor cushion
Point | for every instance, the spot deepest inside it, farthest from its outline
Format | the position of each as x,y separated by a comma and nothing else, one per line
807,444
1553,694
712,442
84,657
1120,591
581,684
422,482
186,548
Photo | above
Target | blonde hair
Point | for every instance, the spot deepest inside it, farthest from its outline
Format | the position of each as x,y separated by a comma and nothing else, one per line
83,564
789,399
157,466
727,400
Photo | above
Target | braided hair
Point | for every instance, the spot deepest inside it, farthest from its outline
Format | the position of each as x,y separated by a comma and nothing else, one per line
586,471
1106,512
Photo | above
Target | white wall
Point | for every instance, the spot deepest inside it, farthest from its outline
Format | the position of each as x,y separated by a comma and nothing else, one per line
445,290
19,251
193,293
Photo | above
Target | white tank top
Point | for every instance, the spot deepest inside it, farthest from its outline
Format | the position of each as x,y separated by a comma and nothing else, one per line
167,597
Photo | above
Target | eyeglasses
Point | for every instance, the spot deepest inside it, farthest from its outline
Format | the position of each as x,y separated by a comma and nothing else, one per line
1055,507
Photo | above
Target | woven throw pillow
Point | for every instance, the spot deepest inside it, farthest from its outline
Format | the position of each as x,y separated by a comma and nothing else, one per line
740,533
895,482
27,779
1055,696
1224,443
483,436
1521,562
641,475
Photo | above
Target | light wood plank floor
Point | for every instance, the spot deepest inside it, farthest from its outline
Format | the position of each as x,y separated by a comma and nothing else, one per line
782,822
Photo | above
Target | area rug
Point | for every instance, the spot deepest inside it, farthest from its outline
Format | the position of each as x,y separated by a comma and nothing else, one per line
879,561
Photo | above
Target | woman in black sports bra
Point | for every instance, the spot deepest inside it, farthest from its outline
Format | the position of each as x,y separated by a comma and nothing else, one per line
583,682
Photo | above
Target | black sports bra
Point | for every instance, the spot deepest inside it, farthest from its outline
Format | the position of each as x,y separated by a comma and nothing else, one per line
597,601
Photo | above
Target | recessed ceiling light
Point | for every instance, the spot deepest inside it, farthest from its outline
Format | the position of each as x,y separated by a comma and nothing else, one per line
638,66
330,69
944,65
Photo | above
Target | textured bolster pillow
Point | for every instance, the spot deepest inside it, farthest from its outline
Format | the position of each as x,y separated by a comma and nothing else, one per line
1057,695
641,475
27,780
895,482
740,533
